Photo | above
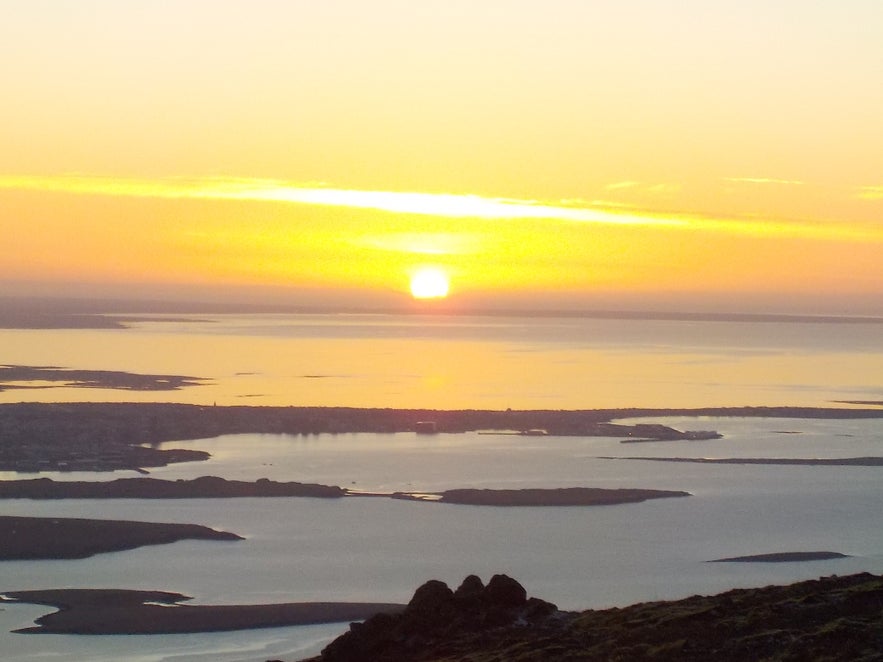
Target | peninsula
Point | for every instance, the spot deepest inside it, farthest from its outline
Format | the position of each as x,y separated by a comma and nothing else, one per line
120,611
38,437
33,538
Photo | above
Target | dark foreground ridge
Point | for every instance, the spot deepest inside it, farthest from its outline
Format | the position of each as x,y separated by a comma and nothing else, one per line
35,538
119,611
833,618
112,436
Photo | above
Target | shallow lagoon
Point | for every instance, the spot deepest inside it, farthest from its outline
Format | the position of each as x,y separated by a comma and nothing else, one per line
381,549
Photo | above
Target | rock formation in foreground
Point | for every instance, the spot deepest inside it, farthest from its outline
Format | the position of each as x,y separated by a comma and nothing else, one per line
832,618
437,618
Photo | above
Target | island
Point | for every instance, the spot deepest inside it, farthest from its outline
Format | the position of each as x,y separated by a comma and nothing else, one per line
120,611
204,487
34,538
566,496
867,461
212,487
38,377
783,557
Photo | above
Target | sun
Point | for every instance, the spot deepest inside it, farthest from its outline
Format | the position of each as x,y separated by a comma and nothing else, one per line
429,283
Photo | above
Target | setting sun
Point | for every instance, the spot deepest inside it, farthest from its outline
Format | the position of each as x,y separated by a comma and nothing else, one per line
429,283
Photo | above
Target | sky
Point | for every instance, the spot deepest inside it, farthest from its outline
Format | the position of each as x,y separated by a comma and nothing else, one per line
567,154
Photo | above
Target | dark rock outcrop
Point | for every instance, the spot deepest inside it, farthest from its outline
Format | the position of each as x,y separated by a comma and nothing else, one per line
833,618
436,614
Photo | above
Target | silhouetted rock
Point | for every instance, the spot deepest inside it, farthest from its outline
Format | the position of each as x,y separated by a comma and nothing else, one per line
470,589
833,618
435,614
505,591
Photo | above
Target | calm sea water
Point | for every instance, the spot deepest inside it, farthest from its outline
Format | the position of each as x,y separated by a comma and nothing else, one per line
379,549
468,362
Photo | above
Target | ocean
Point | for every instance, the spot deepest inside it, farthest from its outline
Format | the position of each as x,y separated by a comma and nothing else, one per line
380,550
467,362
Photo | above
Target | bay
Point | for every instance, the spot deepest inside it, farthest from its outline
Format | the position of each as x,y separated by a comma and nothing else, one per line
378,549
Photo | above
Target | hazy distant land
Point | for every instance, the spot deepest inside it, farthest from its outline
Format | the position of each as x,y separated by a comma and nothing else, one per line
107,379
74,313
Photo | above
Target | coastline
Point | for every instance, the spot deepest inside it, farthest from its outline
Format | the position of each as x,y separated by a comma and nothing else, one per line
38,437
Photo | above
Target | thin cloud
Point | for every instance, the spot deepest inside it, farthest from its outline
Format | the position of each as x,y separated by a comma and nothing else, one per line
764,180
433,204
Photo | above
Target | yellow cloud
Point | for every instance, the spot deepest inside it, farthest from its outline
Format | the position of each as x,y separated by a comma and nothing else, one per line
442,205
871,193
424,243
763,180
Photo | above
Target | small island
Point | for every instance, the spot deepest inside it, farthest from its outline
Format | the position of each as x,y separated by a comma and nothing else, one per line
119,611
867,461
783,557
567,496
39,377
35,538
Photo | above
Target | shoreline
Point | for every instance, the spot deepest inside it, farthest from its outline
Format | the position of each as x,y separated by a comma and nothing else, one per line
123,611
37,437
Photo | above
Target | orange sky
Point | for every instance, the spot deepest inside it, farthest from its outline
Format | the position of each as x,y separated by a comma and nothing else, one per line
644,153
